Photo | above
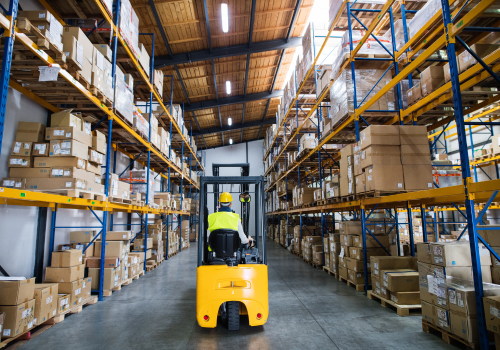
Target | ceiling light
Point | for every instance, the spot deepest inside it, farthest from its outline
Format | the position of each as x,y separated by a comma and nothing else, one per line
228,87
225,17
229,121
230,141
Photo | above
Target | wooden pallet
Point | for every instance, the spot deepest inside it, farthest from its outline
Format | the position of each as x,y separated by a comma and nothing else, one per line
358,287
15,342
349,198
25,26
120,200
447,337
126,121
74,310
150,267
373,194
330,272
401,310
101,96
77,194
79,78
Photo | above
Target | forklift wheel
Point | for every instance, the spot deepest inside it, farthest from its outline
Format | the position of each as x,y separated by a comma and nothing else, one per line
233,315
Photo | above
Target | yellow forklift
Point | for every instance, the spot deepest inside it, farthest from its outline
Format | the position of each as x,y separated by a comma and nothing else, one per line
231,277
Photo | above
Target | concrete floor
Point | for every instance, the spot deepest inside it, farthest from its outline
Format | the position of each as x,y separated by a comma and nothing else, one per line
308,310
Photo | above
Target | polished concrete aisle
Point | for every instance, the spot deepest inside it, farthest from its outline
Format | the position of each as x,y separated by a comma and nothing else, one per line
308,310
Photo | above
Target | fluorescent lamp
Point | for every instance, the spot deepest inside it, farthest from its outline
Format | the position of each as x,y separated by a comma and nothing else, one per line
228,87
225,17
229,121
230,141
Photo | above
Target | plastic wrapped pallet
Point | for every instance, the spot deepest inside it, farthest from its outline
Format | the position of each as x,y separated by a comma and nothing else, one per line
124,99
423,15
333,10
141,175
342,92
134,32
125,20
398,33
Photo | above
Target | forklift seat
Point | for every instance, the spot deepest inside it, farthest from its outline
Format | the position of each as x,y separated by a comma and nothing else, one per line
224,243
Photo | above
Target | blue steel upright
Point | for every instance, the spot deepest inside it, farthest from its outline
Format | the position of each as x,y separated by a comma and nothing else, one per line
466,175
6,63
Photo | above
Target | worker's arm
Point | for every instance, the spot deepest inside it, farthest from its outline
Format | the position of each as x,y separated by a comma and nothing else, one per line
243,237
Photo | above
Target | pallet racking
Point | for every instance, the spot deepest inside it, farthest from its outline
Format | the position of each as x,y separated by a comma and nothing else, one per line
21,54
460,26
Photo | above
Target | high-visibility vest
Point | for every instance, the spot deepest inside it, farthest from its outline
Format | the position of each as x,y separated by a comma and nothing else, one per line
223,220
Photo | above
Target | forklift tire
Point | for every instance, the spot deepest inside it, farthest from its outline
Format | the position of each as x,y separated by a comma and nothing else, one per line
233,315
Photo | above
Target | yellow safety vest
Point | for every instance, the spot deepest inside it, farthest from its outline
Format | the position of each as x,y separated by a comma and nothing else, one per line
223,220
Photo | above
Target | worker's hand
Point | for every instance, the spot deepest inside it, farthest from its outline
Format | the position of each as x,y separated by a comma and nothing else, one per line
251,241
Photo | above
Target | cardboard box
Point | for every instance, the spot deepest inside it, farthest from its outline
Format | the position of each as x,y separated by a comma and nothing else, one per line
380,135
66,258
111,279
462,299
457,254
30,132
46,295
62,303
357,277
89,252
431,79
86,288
40,150
73,51
466,60
56,184
64,274
81,236
415,154
20,162
68,133
464,327
65,118
139,243
113,248
442,318
413,135
357,253
20,148
88,50
16,292
424,253
105,50
381,154
384,178
119,235
379,263
99,143
95,262
51,162
414,94
18,318
406,298
418,177
74,291
371,242
68,148
29,172
462,272
429,312
400,280
13,182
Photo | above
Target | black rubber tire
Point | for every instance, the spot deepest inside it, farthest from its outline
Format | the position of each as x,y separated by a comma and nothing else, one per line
233,315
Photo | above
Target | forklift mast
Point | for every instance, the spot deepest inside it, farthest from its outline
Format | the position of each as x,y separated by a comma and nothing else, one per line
244,198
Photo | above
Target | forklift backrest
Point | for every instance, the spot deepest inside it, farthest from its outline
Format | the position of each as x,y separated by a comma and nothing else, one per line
224,242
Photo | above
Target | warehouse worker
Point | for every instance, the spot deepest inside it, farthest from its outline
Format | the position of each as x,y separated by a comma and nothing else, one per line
226,219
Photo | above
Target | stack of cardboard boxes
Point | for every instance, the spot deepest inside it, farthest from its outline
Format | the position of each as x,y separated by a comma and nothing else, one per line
351,258
18,303
312,250
395,278
445,271
68,270
47,24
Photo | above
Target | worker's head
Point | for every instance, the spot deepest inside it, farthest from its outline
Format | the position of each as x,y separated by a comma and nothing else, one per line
225,199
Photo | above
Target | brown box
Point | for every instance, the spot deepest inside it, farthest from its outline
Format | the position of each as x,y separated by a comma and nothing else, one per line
357,253
400,280
119,235
56,184
18,318
68,148
413,135
81,236
73,289
89,252
379,263
45,301
62,303
68,133
406,298
431,79
360,183
462,299
357,277
16,292
371,242
457,254
40,150
414,94
418,177
381,177
64,274
429,312
464,327
14,182
380,135
424,253
139,243
466,60
113,248
29,172
381,154
95,262
343,272
66,258
50,162
111,278
442,318
99,143
30,132
20,148
65,118
415,154
20,162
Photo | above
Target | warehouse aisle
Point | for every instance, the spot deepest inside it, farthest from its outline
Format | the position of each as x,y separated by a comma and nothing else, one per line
308,310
